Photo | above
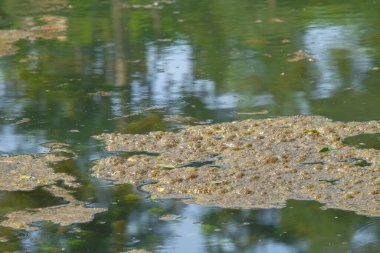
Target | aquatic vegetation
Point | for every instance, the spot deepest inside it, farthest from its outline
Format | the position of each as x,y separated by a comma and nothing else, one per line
252,164
26,173
64,215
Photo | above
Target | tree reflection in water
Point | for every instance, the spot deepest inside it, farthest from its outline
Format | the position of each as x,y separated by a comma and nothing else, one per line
205,59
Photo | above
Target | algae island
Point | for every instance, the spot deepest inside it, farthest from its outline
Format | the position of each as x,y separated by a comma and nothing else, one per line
251,164
27,173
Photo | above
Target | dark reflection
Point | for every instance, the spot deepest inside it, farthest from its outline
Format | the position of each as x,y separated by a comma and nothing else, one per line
124,66
135,222
18,200
275,230
364,141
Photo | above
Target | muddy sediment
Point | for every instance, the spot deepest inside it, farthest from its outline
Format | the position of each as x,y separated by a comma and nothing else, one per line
252,164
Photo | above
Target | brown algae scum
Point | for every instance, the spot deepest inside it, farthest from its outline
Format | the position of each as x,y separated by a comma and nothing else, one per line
26,173
252,164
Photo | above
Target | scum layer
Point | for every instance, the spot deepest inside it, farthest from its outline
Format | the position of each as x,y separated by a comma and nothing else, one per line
252,164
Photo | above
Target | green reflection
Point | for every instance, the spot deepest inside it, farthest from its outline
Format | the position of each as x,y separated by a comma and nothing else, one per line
19,200
364,141
210,60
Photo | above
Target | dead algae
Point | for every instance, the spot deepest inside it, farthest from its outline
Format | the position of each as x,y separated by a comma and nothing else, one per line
252,164
63,215
27,172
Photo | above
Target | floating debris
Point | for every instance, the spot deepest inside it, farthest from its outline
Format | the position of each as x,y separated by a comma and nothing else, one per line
265,163
3,239
22,121
154,5
101,94
276,20
61,151
178,119
170,217
254,113
142,110
300,55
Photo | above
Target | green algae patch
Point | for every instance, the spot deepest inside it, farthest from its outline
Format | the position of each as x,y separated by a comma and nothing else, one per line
252,164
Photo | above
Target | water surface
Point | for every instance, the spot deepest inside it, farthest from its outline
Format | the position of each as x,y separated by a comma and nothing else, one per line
129,66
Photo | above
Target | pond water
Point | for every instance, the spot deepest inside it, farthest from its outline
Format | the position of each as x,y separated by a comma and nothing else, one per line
70,70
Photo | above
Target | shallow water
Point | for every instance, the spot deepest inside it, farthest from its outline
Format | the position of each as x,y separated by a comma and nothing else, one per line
364,141
120,67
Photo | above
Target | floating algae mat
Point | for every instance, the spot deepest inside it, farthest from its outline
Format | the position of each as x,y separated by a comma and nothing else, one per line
26,173
252,164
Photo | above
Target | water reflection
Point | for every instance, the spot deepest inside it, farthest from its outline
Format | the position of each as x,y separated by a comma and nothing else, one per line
364,141
206,59
342,62
365,236
135,222
170,74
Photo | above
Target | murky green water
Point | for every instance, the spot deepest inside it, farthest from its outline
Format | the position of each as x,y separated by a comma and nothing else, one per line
209,60
364,141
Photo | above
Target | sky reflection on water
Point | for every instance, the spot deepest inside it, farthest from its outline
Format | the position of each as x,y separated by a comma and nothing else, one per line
212,61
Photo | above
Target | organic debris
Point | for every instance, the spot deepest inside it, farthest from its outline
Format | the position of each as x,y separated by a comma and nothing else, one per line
170,217
300,55
73,212
101,94
254,113
27,172
64,215
253,164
